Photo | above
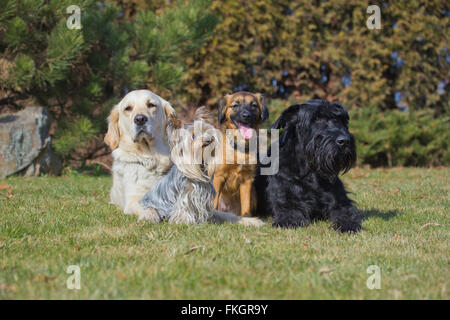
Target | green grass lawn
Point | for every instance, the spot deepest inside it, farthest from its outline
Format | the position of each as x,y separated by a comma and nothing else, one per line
52,222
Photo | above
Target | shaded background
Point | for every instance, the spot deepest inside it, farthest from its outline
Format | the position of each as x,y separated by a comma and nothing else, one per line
394,81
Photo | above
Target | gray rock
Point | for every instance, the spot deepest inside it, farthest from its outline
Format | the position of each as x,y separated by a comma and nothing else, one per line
25,146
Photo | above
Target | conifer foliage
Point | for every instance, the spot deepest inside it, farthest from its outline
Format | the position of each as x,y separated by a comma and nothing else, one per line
193,52
80,73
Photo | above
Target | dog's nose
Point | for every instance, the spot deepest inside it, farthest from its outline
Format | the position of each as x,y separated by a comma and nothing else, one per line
342,140
140,119
245,115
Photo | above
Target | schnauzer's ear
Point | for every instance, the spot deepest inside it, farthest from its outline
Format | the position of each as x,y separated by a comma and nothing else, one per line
223,108
287,116
264,110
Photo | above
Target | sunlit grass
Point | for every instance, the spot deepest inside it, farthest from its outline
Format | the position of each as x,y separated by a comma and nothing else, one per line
51,223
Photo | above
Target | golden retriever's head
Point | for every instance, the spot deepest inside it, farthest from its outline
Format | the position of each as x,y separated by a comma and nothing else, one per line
140,116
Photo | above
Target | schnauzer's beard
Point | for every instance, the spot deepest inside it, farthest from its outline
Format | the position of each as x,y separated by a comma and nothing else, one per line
327,158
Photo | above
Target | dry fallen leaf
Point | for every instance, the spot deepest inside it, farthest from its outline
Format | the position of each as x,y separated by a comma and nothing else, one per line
195,248
429,224
207,282
43,277
8,189
324,270
7,287
311,246
360,175
121,275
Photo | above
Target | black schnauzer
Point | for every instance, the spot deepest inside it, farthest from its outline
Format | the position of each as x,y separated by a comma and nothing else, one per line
314,148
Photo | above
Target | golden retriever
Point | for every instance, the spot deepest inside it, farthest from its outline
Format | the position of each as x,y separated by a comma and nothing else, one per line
137,135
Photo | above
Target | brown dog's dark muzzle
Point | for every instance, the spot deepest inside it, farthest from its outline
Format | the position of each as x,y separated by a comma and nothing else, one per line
244,116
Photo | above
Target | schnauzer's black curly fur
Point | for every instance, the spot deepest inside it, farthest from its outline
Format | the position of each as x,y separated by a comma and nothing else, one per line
315,147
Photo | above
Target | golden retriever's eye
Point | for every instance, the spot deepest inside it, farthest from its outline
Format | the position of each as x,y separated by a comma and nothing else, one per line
128,108
151,105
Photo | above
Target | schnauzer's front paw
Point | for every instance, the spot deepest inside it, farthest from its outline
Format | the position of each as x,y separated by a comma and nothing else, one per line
290,221
349,227
252,222
150,215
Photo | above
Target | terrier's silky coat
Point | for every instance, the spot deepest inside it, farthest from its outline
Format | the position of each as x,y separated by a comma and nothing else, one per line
186,193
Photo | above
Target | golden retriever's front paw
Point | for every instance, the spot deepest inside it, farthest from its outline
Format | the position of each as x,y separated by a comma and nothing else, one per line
252,222
150,215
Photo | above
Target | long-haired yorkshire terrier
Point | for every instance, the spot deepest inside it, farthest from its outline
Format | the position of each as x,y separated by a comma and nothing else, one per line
185,194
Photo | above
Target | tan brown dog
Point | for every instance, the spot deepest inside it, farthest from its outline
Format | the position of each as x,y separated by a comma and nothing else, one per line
243,112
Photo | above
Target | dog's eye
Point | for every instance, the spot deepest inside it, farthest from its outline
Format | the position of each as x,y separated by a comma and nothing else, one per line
128,108
151,105
254,105
235,105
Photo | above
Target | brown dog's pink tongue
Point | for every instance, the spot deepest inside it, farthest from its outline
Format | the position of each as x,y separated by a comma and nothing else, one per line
246,132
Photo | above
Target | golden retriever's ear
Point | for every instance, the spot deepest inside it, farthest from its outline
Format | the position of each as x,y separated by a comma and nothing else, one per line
113,134
169,111
264,109
223,102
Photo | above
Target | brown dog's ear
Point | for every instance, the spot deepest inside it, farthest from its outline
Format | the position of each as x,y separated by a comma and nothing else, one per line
113,134
223,102
264,109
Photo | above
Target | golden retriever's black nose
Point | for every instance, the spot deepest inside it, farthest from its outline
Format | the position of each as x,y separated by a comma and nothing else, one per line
140,119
